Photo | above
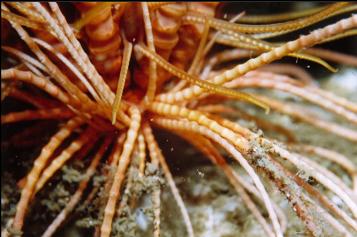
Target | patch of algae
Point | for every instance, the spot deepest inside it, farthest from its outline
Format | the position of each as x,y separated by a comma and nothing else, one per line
9,196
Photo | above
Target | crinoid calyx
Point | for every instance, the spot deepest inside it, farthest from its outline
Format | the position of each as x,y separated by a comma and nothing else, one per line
84,84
